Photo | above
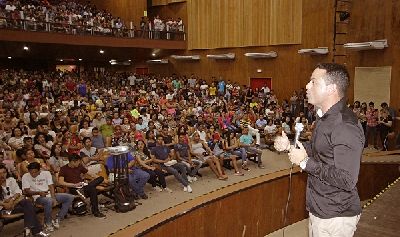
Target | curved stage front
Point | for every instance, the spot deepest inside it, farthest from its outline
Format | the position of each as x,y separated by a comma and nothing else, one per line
254,207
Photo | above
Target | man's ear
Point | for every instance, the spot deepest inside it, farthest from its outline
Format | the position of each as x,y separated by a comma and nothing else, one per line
332,88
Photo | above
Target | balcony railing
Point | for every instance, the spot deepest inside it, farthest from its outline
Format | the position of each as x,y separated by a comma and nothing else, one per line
72,29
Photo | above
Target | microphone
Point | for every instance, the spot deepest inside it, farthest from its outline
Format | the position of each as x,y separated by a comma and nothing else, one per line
298,128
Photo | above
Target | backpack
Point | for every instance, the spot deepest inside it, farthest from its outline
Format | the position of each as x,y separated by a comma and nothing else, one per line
123,198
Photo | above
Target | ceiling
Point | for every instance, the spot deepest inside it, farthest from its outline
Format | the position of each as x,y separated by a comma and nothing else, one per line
50,52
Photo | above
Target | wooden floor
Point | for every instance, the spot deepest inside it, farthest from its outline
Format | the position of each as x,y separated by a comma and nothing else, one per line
381,218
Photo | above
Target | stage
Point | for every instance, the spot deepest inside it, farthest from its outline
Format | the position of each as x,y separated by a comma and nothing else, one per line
163,209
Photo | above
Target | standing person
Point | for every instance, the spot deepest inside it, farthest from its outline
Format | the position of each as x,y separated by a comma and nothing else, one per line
372,115
333,163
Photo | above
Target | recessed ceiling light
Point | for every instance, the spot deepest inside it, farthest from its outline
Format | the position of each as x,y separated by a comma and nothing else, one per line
101,51
26,48
80,59
153,54
61,60
129,60
9,57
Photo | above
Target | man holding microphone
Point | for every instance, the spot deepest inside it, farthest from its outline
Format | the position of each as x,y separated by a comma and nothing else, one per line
332,157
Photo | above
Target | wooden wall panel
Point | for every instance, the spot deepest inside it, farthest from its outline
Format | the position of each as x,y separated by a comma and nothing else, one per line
128,10
255,23
236,23
165,2
159,2
233,215
285,21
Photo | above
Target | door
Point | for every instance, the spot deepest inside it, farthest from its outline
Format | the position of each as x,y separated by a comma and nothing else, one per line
142,70
260,82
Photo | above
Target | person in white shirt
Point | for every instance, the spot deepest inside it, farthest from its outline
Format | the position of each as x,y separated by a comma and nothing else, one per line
39,184
12,201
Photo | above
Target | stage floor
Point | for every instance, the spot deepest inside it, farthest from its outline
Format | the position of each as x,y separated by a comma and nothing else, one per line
93,227
377,220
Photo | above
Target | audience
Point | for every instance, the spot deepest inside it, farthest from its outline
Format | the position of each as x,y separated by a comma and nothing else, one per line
59,125
72,17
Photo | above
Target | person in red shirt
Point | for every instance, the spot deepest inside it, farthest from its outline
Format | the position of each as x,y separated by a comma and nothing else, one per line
70,176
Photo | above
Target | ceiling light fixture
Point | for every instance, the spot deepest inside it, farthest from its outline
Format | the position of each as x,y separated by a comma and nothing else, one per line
9,57
101,51
80,59
26,48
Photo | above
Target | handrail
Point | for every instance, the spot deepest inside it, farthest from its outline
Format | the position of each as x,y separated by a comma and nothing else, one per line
74,29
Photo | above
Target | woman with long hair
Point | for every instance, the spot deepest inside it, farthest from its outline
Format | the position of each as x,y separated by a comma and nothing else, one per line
157,177
232,145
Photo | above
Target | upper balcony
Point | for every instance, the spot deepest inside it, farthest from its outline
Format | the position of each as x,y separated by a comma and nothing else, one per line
68,34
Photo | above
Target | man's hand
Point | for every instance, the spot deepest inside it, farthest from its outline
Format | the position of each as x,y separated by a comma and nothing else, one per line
282,143
8,205
54,202
297,155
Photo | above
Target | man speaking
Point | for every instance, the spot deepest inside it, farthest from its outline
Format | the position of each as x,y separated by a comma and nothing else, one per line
332,157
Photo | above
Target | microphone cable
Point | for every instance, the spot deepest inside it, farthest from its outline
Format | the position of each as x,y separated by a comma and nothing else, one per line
288,200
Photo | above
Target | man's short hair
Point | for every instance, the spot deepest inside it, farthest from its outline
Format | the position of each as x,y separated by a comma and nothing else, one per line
85,139
34,166
159,135
26,139
371,103
336,74
73,157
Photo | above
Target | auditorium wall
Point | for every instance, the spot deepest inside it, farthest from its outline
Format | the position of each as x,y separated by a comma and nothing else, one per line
381,22
289,71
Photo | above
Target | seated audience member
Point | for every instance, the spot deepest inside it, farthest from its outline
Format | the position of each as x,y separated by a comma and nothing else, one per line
71,143
247,142
38,184
232,145
157,176
182,151
246,123
42,147
28,143
163,156
89,154
137,177
97,139
203,153
270,132
12,201
107,129
218,146
70,176
29,157
57,160
17,139
84,129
